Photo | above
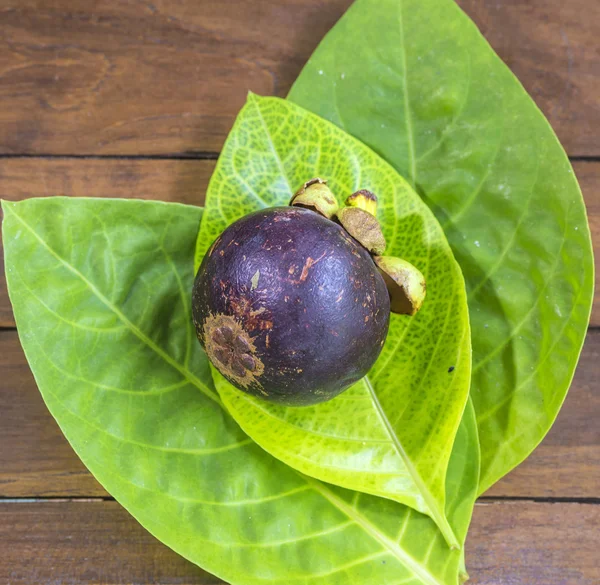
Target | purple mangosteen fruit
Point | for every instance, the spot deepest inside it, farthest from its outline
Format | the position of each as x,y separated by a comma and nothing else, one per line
289,306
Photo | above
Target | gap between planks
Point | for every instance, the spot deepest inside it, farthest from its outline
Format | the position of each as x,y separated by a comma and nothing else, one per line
200,155
483,500
173,156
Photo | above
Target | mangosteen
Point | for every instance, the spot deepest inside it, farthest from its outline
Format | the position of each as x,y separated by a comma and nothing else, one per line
288,305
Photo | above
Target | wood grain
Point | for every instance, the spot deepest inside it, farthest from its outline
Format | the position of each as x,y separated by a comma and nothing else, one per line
85,542
184,181
528,543
99,543
139,77
36,460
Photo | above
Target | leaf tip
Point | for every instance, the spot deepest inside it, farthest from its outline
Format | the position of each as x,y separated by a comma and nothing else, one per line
252,97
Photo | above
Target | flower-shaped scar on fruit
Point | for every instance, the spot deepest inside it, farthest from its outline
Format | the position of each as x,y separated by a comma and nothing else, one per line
289,303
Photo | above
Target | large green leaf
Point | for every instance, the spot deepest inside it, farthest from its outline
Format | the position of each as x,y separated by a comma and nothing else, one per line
416,81
392,434
100,292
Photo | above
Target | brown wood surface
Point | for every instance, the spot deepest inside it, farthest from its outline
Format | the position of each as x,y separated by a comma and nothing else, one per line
140,77
137,77
86,79
532,543
99,543
184,181
36,461
85,542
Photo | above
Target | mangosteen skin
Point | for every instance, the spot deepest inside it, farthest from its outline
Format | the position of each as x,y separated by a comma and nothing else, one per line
289,307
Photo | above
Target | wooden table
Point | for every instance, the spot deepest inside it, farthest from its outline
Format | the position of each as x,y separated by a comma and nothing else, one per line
134,99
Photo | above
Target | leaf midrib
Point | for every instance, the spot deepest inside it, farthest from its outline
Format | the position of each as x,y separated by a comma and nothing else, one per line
412,564
438,516
407,111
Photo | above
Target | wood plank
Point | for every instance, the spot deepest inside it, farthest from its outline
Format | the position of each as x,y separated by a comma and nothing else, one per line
98,542
184,181
527,543
35,459
86,542
136,77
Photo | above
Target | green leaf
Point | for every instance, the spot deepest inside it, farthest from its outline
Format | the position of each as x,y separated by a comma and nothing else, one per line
390,435
100,291
416,81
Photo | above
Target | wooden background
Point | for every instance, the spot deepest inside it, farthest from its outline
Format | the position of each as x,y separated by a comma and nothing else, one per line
128,98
